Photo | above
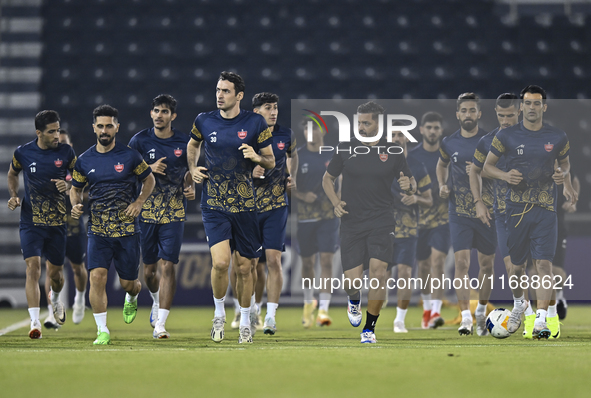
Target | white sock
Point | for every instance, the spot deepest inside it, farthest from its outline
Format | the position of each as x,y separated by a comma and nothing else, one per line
259,306
131,299
244,316
271,310
466,314
529,311
426,301
55,297
253,303
517,301
162,315
324,301
156,297
551,311
400,314
541,316
34,313
436,306
101,322
79,297
480,309
559,294
236,305
50,308
220,311
308,295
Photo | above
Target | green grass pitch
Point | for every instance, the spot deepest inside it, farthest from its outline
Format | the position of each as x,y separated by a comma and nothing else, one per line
319,362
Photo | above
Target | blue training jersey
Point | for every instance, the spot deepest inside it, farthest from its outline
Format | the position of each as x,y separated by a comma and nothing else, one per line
311,169
437,214
270,191
488,185
533,154
43,204
167,203
113,178
499,186
459,150
407,217
229,187
75,227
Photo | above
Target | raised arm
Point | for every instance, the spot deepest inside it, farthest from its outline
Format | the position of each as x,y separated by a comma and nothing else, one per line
423,199
76,198
442,172
512,176
134,209
292,168
189,186
562,176
193,153
14,200
328,181
265,158
476,188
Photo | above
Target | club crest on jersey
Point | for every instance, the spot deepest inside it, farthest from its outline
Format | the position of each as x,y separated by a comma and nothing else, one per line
383,157
242,134
178,152
119,167
281,145
58,163
548,147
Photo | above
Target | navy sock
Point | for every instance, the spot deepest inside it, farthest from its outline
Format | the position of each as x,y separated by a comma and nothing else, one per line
355,298
370,321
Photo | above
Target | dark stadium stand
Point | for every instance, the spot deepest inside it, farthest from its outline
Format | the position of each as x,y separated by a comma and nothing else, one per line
320,49
303,49
125,52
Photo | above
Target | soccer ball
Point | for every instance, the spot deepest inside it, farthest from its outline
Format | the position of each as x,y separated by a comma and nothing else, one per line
496,323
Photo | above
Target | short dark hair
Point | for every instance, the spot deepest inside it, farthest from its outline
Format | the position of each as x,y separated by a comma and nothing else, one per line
105,110
465,97
165,99
232,77
431,117
507,100
43,118
261,99
65,132
533,89
371,107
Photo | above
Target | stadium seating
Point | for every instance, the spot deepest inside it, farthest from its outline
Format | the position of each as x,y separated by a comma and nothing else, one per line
304,49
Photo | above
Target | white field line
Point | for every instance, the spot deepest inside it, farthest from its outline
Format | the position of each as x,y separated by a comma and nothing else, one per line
21,324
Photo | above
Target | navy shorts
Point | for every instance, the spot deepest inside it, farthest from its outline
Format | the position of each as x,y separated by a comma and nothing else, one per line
471,233
318,237
49,242
358,247
123,252
405,250
438,238
161,241
241,229
501,225
272,225
536,232
76,248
